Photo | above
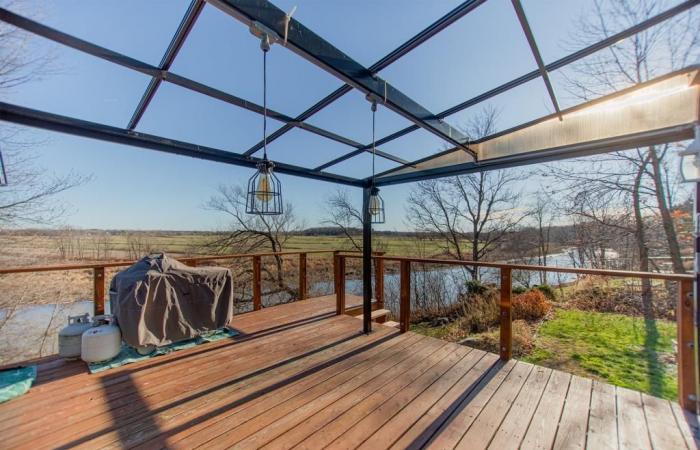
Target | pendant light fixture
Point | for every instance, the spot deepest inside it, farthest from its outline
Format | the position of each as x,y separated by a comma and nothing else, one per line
3,173
264,188
376,204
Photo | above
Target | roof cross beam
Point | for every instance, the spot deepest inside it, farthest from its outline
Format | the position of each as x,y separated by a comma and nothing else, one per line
315,49
443,22
159,74
171,52
520,12
558,64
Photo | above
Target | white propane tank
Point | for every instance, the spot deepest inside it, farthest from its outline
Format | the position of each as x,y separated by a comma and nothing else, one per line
102,341
70,337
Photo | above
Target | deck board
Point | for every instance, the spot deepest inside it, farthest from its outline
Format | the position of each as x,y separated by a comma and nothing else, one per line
298,376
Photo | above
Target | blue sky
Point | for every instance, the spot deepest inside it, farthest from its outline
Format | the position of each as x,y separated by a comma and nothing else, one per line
140,189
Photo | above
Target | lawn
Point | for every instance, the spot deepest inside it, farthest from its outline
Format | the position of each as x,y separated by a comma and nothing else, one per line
625,351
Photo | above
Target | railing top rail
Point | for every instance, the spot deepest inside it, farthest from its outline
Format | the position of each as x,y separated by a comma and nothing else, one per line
121,263
600,272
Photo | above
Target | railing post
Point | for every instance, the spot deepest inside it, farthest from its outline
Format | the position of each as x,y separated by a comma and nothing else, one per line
98,279
687,395
335,271
506,314
379,281
257,296
339,284
302,276
405,296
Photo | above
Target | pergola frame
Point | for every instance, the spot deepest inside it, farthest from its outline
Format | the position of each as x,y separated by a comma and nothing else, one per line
264,15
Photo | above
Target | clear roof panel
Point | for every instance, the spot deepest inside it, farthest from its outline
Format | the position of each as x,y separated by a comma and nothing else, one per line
415,145
558,38
141,30
351,116
610,70
367,32
304,149
181,114
221,52
465,59
514,107
361,166
73,84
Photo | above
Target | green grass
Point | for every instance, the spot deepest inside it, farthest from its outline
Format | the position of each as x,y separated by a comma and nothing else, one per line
622,350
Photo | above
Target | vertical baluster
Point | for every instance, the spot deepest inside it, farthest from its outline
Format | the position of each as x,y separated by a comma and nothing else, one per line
302,277
405,297
340,284
98,279
257,295
506,314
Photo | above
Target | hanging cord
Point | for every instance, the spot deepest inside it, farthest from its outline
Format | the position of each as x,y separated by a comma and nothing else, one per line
265,46
374,150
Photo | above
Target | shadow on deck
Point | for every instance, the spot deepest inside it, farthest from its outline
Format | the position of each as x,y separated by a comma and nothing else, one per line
300,376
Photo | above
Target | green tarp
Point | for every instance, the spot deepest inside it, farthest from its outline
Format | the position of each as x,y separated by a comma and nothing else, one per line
15,382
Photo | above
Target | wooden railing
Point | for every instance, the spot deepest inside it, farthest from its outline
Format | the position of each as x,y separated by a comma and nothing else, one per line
687,387
98,270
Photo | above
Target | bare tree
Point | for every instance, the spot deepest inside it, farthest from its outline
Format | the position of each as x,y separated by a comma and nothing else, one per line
344,215
470,213
643,175
544,214
31,195
249,233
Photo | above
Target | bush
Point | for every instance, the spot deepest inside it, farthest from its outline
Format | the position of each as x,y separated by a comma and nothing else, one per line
547,290
476,287
519,290
531,305
478,312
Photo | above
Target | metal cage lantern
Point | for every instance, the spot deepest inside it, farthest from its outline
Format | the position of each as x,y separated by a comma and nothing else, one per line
264,191
376,206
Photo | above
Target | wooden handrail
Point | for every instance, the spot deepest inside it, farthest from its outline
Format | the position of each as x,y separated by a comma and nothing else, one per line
600,272
122,263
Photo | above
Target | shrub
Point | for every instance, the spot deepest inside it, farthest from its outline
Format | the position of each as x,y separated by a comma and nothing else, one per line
479,311
519,290
476,287
547,290
530,305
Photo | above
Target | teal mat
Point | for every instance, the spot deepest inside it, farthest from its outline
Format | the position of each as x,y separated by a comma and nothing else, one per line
129,355
15,382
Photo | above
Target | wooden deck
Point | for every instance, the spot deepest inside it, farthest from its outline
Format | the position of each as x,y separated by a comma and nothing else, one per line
299,376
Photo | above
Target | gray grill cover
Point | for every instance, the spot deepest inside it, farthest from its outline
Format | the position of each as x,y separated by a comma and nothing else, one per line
159,300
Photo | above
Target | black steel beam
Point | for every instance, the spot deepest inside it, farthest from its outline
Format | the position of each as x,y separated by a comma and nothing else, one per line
54,122
643,139
157,73
443,22
520,12
171,52
315,49
558,64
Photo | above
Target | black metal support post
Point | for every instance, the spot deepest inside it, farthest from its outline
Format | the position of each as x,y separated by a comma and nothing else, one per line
366,262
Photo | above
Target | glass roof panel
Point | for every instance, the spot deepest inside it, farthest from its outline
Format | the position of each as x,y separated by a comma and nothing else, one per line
141,30
560,37
181,114
465,59
415,145
351,116
221,53
367,31
73,83
612,69
514,107
361,166
304,149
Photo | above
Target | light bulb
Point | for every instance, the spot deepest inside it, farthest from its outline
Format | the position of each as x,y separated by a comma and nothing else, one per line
374,204
263,189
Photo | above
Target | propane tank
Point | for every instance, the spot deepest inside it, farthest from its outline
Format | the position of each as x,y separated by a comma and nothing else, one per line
102,341
70,337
